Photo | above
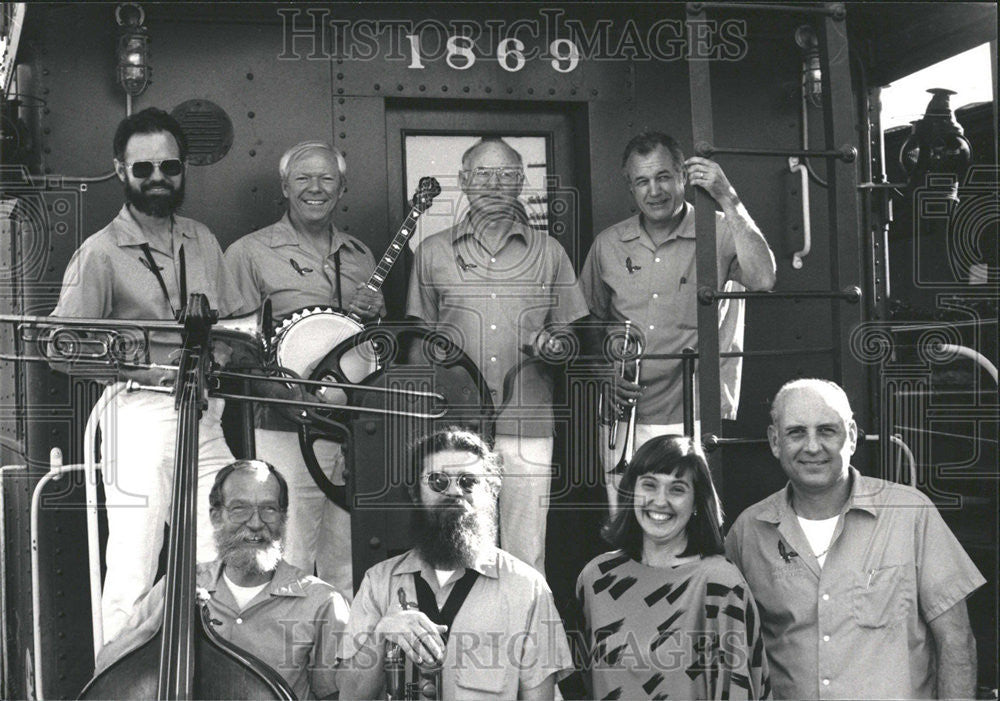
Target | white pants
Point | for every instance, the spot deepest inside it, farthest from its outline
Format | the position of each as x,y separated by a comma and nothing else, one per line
139,431
524,496
318,533
610,458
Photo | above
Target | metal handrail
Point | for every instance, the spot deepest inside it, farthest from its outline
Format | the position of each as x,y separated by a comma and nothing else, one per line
707,295
4,652
846,153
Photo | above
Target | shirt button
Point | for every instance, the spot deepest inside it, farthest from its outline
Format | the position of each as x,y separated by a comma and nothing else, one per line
493,295
493,327
239,620
651,327
657,260
826,597
826,682
493,260
656,296
493,358
826,638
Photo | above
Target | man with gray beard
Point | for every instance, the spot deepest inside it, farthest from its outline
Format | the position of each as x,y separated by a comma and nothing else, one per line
288,619
456,601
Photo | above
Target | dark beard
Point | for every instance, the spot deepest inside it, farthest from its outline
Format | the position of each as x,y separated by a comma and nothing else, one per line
159,206
449,538
237,554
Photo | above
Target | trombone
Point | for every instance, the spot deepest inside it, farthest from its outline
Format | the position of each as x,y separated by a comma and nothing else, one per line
110,345
630,355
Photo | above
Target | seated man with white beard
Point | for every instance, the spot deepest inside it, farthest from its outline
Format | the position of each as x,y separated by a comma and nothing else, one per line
455,600
278,613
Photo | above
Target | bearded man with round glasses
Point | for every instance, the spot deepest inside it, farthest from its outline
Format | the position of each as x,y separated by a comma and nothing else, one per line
496,286
456,601
288,619
131,269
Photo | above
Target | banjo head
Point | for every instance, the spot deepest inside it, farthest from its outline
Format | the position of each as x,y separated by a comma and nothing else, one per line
307,335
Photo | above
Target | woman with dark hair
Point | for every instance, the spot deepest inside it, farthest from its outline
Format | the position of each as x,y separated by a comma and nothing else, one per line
666,615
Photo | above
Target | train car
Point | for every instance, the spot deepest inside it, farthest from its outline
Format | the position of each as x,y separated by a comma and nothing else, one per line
887,269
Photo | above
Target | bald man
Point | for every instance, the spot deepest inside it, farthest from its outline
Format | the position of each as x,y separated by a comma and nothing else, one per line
494,285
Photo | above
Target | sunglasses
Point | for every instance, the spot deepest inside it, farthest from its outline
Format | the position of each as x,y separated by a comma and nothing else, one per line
441,481
143,169
241,513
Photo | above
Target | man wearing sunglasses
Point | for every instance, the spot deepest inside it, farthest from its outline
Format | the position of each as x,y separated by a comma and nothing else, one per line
290,620
456,601
131,269
496,286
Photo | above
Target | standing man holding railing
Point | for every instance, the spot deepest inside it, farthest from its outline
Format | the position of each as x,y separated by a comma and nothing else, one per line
643,270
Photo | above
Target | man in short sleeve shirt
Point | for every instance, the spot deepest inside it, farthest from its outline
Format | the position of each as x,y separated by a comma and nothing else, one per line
494,285
644,270
505,640
861,586
131,270
304,261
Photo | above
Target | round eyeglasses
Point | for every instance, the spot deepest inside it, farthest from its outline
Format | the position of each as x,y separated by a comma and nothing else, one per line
441,481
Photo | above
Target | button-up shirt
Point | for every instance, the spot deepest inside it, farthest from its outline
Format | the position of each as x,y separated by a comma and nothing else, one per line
627,276
507,635
857,627
274,262
294,625
493,304
110,278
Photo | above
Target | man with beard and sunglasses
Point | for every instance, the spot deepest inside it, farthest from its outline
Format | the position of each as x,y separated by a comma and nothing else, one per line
288,619
131,269
456,601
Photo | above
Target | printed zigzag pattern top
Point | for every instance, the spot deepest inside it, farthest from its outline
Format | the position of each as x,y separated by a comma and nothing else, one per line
685,632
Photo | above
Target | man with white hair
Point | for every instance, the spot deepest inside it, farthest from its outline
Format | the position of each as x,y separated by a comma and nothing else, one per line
860,584
303,260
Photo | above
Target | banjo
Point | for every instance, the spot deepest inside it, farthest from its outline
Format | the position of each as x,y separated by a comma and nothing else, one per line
308,334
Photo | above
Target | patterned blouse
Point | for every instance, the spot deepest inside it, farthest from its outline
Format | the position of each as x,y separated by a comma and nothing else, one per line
686,632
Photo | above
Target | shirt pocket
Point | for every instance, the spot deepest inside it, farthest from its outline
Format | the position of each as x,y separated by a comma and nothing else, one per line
485,683
883,596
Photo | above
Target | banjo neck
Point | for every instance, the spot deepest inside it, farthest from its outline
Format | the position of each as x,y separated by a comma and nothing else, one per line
395,248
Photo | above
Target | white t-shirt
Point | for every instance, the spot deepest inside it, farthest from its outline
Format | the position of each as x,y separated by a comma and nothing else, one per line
243,595
819,533
443,576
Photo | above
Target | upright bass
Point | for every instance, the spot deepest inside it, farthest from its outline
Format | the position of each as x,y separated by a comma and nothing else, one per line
186,659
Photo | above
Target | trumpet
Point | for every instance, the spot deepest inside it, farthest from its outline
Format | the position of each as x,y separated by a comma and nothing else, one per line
630,355
101,347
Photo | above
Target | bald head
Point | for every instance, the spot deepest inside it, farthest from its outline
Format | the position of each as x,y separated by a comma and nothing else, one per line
491,146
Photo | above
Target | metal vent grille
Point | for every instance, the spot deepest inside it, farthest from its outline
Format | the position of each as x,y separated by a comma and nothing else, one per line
208,130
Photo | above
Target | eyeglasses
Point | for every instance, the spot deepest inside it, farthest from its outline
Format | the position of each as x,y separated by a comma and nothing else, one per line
143,169
504,175
441,481
241,513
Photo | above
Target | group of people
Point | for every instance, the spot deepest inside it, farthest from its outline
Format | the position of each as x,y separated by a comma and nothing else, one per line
811,589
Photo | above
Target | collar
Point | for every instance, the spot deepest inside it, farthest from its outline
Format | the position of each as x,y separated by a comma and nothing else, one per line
487,564
465,229
863,497
282,233
287,579
129,233
684,230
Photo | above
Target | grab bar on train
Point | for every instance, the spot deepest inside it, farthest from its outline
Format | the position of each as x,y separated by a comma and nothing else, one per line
852,295
797,166
972,354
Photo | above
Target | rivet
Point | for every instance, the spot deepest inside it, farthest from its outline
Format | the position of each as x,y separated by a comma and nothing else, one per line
423,88
531,91
253,153
343,135
340,76
594,92
342,118
510,90
552,91
340,91
465,89
489,89
344,209
374,543
249,76
46,130
340,101
572,91
444,88
399,87
370,428
377,86
251,115
253,188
